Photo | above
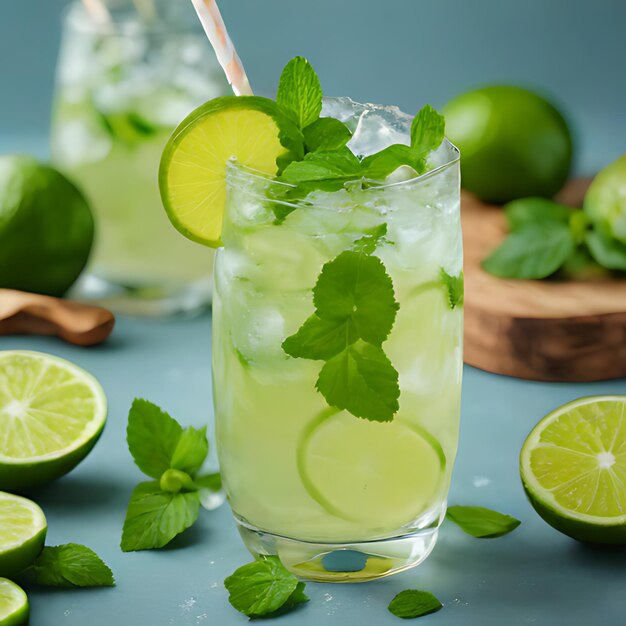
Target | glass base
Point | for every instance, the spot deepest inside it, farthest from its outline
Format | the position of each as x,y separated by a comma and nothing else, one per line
342,562
149,301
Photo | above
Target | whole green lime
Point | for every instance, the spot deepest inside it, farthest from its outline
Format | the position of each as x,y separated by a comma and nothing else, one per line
605,200
46,228
513,143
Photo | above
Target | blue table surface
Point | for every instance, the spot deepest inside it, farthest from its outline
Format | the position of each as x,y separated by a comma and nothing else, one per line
532,576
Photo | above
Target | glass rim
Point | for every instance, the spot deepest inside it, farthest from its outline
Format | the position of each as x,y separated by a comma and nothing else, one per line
234,170
75,15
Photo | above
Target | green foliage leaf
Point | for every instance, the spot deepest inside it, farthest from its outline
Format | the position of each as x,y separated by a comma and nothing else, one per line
454,287
480,522
155,517
361,380
191,450
69,565
152,437
534,251
326,133
320,339
412,603
355,309
379,165
337,166
608,252
212,482
355,286
525,211
427,131
263,587
299,91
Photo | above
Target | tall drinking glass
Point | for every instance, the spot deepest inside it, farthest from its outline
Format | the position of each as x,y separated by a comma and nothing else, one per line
334,496
122,86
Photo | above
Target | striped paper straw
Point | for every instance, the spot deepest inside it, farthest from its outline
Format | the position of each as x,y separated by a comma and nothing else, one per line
214,27
98,11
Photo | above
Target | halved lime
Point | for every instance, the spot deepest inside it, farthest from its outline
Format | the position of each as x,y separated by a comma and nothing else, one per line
192,176
51,415
14,609
573,467
22,533
381,475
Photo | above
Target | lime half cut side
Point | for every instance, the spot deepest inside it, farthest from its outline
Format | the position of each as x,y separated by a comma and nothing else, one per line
573,467
192,176
14,607
51,415
22,533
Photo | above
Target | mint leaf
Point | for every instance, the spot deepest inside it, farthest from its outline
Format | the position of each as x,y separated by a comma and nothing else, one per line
263,587
607,251
372,240
455,288
297,597
69,565
427,131
191,450
326,133
361,380
337,166
480,522
212,482
152,437
379,165
291,137
355,286
412,603
299,91
534,251
319,339
155,517
525,211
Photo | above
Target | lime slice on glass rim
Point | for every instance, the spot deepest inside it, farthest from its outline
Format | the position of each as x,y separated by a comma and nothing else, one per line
192,175
51,415
14,607
573,467
22,533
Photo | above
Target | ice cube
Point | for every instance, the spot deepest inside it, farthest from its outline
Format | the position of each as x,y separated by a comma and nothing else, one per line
379,127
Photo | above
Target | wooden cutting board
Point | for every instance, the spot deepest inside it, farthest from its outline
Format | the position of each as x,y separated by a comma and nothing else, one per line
539,330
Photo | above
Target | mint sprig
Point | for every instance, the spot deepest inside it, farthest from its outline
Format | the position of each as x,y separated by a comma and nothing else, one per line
69,565
330,168
355,309
299,92
412,603
480,522
159,510
546,237
264,588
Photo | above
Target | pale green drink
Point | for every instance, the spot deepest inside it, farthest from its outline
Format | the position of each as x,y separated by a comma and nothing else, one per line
306,480
121,90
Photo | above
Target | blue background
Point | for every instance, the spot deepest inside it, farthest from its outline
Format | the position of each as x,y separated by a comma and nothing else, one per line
403,52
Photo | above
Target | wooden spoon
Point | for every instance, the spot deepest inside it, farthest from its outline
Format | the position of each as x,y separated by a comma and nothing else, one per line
24,313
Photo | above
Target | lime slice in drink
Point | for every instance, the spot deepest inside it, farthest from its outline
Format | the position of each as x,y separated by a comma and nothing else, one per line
192,176
22,533
381,475
573,467
14,608
51,415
